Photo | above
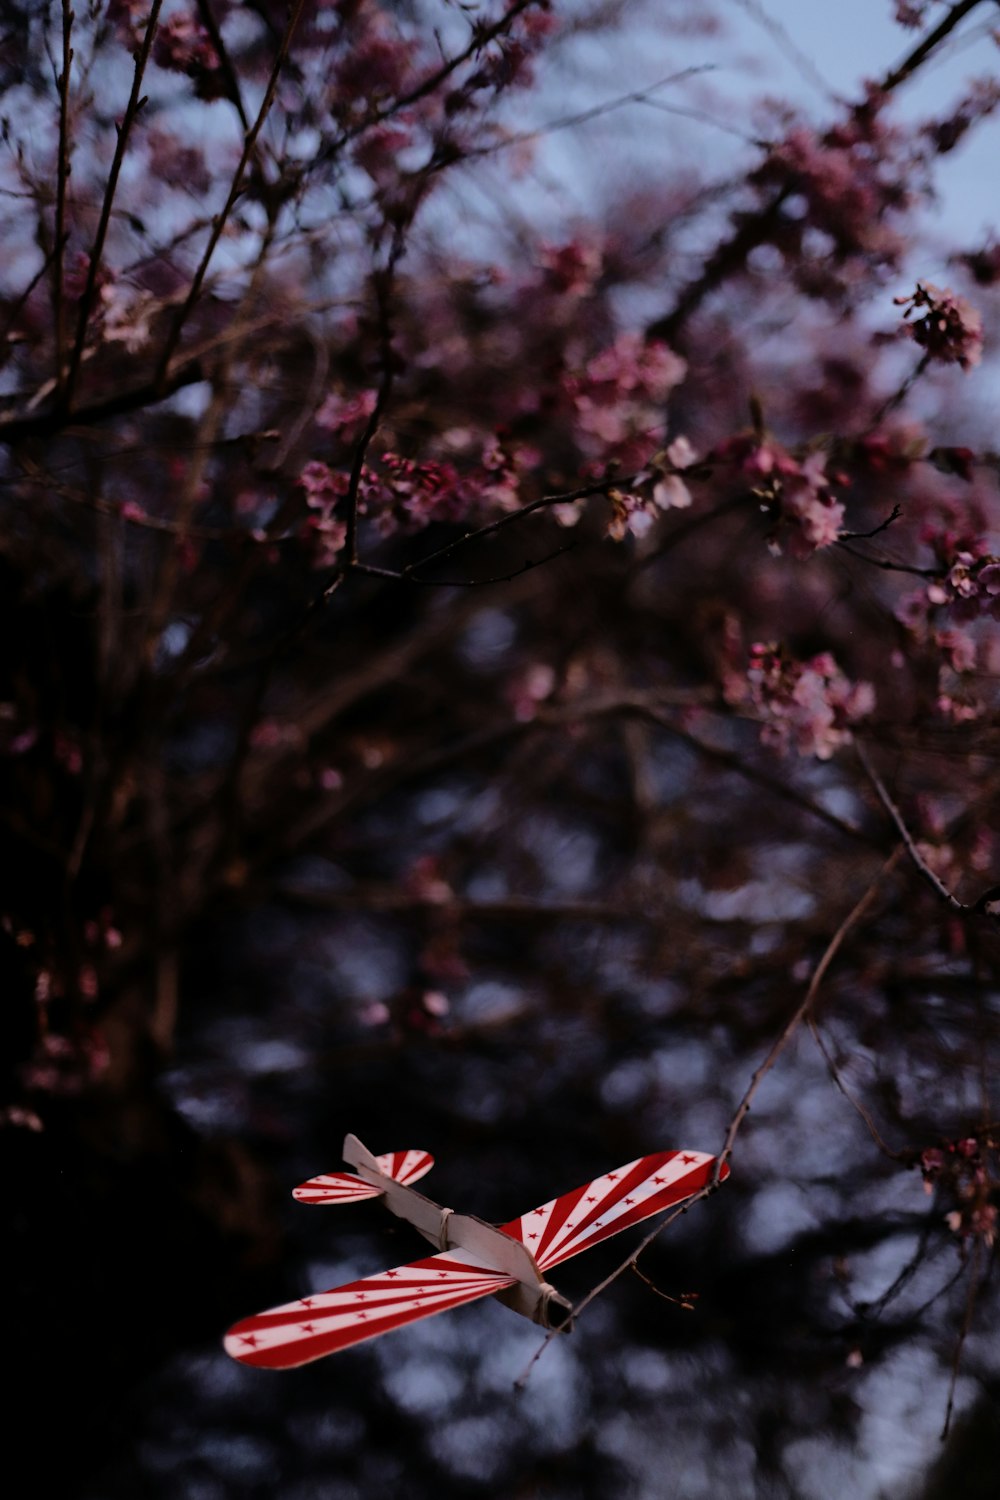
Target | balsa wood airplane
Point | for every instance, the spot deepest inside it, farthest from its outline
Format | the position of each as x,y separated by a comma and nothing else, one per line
474,1259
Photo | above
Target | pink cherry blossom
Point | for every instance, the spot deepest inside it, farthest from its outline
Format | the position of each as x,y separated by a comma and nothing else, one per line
183,45
630,513
806,502
573,268
808,706
948,327
346,415
671,493
619,398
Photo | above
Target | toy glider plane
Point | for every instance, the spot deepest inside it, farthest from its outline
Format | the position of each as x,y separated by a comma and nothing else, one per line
473,1259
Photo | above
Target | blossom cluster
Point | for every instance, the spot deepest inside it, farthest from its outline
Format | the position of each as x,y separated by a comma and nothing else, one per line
967,588
324,489
797,493
634,511
963,1168
378,66
572,268
346,415
618,398
63,1065
910,13
850,177
381,60
182,45
980,101
409,493
401,494
806,705
948,327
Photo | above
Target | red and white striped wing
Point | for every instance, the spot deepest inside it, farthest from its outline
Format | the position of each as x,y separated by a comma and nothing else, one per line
345,1187
406,1166
335,1187
301,1331
601,1208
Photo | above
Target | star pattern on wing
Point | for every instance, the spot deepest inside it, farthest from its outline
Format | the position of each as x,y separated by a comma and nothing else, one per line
406,1167
325,1322
575,1221
280,1339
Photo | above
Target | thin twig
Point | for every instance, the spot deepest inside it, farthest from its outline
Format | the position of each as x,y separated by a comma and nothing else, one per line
743,1109
466,583
222,218
211,25
686,1300
929,44
288,438
62,178
689,526
544,502
899,395
799,1014
887,565
807,69
547,718
702,117
507,908
862,536
620,1270
15,308
135,103
871,1312
856,1104
481,37
241,329
384,279
125,512
609,106
928,874
747,231
778,786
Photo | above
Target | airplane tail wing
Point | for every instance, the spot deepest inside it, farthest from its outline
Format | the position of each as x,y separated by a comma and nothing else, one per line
344,1187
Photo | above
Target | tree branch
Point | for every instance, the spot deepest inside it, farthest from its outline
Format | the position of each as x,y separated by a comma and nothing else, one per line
135,103
743,1109
62,177
921,864
221,218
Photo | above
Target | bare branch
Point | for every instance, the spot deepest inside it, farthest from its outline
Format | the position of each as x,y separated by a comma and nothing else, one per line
62,177
860,536
236,187
743,1109
135,103
544,502
750,230
856,1104
211,25
921,864
383,279
481,37
927,45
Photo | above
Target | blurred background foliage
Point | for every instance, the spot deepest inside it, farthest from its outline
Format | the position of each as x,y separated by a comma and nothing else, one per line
318,816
